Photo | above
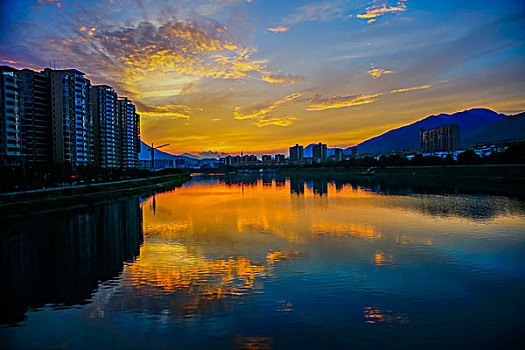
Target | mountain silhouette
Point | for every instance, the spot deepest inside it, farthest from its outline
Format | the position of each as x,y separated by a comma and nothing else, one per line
474,125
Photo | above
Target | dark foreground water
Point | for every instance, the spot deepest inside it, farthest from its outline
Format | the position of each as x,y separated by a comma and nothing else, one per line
267,264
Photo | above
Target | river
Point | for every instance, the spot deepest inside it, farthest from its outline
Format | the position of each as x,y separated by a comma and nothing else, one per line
267,263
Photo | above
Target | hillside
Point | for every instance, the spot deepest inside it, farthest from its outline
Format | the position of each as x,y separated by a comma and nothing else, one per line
511,127
471,122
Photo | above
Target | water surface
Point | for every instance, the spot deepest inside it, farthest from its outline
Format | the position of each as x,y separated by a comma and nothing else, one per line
262,263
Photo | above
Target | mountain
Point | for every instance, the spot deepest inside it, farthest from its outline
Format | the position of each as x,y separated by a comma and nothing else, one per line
471,122
145,154
510,127
184,160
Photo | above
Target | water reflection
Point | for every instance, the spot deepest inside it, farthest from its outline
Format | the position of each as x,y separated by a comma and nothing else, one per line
61,258
262,262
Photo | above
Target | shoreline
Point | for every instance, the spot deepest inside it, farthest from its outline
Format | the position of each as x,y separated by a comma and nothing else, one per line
505,179
18,202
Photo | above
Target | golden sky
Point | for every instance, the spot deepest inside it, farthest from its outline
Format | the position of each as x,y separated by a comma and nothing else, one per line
258,76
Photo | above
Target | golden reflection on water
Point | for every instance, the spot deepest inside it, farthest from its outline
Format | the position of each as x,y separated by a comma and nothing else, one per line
253,343
374,315
217,241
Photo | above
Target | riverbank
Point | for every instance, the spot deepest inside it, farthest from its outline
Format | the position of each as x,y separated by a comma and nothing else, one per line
15,202
493,179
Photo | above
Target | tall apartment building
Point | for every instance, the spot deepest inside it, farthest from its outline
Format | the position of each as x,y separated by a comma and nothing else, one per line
130,133
441,139
35,116
56,116
319,153
10,146
338,154
296,153
106,126
72,121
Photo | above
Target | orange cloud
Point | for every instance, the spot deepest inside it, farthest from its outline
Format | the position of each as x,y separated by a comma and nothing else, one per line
319,103
411,89
279,121
283,78
374,11
377,72
279,29
259,113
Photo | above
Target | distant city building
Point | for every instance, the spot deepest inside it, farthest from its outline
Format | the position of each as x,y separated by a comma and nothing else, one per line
441,139
129,133
355,153
72,121
296,153
10,145
266,158
319,153
107,127
338,154
249,158
279,158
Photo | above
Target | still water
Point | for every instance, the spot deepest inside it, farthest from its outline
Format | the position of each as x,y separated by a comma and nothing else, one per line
267,263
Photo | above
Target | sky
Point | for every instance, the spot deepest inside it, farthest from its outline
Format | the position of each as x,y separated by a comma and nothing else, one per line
225,76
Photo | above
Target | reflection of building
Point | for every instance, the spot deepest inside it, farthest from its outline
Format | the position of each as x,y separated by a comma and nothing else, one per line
442,139
60,259
319,153
296,185
296,153
320,186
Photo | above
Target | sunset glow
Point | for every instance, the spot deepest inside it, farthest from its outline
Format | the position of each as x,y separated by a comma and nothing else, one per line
259,76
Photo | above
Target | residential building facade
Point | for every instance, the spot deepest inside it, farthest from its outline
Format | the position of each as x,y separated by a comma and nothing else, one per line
319,153
72,120
107,127
296,153
57,116
441,139
35,116
10,144
129,133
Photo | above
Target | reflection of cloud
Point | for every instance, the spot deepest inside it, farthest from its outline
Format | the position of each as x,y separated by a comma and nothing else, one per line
374,11
253,343
274,257
259,113
343,229
374,315
411,89
284,306
279,29
377,72
319,103
382,258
